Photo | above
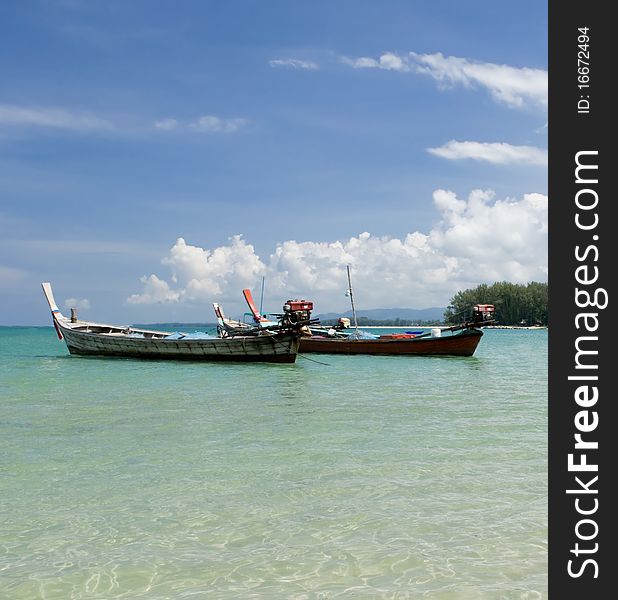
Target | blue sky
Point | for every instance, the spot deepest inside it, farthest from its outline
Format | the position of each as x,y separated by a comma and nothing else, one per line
405,138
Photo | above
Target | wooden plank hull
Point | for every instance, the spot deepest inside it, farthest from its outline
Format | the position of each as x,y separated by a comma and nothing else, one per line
281,348
460,344
98,339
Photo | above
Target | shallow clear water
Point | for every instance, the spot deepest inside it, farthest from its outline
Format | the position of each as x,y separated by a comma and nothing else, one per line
372,477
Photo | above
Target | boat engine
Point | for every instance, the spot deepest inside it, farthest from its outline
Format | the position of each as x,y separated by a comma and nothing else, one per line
483,313
297,313
343,323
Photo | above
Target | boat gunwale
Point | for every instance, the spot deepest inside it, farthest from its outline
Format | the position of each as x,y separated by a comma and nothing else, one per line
127,336
469,332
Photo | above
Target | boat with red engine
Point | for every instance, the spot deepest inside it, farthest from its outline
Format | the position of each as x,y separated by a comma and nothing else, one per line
456,340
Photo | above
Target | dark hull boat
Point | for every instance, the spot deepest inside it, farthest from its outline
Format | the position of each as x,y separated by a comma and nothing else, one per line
87,338
460,343
458,340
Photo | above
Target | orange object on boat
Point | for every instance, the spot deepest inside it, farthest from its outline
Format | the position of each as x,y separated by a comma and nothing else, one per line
397,336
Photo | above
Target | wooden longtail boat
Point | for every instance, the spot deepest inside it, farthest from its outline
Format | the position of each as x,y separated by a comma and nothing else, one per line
458,340
277,344
459,343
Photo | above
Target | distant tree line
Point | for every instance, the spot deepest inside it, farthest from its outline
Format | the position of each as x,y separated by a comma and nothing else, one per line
516,304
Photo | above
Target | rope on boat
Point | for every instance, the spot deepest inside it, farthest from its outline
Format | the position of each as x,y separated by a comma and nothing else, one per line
298,354
313,360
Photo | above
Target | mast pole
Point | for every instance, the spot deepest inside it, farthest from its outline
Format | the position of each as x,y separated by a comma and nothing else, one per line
262,296
352,298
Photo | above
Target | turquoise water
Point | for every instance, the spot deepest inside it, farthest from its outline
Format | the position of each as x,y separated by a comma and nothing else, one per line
372,477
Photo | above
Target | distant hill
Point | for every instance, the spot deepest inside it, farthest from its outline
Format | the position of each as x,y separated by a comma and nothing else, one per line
388,314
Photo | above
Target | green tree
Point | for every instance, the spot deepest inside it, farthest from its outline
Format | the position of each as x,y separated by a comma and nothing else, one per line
516,304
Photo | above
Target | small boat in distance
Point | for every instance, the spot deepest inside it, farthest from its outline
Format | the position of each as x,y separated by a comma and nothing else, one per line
277,343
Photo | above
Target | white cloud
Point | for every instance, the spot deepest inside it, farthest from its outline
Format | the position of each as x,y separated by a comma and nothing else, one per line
202,274
212,124
166,124
155,291
59,118
51,117
478,239
514,86
204,124
293,63
517,87
81,303
497,153
387,61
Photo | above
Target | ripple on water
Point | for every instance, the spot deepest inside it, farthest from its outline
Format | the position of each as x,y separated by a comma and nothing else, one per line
373,477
